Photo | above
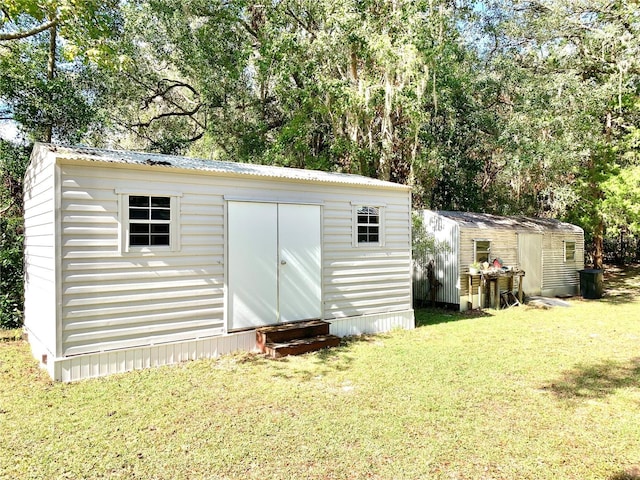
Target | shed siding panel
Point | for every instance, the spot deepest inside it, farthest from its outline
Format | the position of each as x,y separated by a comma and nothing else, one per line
365,280
446,263
504,245
39,252
113,299
560,277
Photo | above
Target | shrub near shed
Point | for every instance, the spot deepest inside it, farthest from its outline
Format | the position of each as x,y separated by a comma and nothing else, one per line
11,281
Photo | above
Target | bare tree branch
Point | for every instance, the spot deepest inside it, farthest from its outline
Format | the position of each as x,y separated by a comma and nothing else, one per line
248,28
156,144
29,33
305,27
177,83
162,93
183,113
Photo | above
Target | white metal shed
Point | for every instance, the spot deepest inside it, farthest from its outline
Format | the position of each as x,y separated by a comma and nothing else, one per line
135,260
549,251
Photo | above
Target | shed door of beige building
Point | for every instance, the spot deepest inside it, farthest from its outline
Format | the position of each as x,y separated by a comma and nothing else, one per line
274,270
530,259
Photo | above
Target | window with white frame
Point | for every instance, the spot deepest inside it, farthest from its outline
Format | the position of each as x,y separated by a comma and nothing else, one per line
368,225
482,251
569,251
149,221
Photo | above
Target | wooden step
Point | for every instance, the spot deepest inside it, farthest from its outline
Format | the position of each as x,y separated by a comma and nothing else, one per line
301,345
290,331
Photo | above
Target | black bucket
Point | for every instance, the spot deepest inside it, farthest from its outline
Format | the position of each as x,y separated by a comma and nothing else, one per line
591,283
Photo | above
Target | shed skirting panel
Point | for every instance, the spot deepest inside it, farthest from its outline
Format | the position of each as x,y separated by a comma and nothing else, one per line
91,365
375,323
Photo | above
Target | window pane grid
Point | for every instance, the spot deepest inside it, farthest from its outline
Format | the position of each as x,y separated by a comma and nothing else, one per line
149,221
368,224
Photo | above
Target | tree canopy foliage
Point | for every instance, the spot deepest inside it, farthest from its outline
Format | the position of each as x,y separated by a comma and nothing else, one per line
50,51
575,105
504,106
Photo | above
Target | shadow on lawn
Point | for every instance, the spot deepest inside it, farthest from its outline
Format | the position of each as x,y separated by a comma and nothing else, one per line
325,361
597,381
631,474
435,316
622,284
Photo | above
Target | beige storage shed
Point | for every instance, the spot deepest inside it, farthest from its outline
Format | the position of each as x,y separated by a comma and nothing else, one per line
549,251
134,260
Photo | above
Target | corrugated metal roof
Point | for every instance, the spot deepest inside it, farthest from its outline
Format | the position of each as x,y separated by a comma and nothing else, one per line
229,168
486,220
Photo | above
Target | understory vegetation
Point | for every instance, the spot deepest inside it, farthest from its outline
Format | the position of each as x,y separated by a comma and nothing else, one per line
526,393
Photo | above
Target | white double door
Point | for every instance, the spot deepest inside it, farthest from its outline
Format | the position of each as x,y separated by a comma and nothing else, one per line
274,263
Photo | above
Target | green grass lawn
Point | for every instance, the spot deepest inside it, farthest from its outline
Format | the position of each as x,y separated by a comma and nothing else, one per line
522,393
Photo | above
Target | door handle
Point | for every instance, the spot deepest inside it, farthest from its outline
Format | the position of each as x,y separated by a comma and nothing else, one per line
283,262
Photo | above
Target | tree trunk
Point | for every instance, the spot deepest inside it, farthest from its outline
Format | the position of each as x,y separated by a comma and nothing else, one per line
386,130
598,244
51,73
598,194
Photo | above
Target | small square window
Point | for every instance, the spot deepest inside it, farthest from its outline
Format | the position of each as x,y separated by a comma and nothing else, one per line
368,225
569,251
482,250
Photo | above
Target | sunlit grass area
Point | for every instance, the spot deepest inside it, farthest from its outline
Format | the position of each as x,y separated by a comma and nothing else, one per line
525,393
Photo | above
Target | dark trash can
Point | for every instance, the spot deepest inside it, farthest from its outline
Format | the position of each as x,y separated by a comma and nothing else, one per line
591,284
